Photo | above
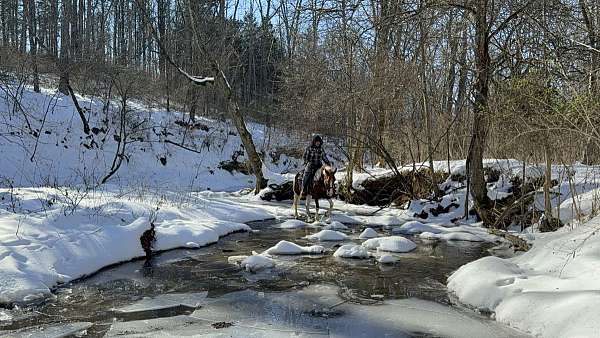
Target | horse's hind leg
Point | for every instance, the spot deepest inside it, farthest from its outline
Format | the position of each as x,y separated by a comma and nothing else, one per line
317,207
330,208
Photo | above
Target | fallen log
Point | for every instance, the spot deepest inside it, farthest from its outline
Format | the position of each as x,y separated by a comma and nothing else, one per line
518,243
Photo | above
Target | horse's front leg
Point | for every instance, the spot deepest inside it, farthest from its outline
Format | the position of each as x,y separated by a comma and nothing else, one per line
295,206
330,207
308,208
317,209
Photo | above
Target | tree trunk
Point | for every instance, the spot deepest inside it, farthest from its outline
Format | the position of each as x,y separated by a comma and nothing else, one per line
33,39
65,42
479,132
547,182
234,112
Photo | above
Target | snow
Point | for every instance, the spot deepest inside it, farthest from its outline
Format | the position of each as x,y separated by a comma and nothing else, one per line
289,248
456,236
256,263
368,233
351,251
5,316
551,291
335,225
292,224
387,259
327,235
391,243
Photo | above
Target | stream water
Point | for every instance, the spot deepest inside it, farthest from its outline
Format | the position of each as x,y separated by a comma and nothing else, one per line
93,305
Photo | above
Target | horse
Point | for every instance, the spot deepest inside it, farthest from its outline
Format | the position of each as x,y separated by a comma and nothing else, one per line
323,187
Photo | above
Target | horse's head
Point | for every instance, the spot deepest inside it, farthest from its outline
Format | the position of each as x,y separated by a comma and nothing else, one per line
328,173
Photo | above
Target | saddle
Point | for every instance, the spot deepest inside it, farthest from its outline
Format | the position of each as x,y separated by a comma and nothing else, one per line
315,177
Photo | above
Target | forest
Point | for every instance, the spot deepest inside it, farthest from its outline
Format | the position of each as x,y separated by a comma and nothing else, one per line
461,130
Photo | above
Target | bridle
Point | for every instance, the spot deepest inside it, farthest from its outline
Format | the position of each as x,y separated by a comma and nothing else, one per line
329,182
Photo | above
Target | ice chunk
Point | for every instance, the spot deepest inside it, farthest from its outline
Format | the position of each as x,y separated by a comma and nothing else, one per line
391,243
165,301
368,233
351,251
54,331
327,235
289,248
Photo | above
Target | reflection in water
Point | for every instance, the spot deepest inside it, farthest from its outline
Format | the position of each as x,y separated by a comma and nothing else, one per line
420,274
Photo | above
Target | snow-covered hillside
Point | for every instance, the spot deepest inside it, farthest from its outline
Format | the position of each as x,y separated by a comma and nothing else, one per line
56,152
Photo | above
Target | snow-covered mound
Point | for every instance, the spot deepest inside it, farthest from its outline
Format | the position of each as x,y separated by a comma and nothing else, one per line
550,291
327,235
415,227
289,248
368,233
351,251
335,225
292,224
387,259
391,244
256,263
457,236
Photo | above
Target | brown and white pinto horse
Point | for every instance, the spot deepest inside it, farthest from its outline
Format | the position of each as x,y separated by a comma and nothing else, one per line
323,187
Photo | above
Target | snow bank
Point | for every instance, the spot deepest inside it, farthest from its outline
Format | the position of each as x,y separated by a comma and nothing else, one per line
368,233
391,243
327,235
351,251
551,291
57,243
289,248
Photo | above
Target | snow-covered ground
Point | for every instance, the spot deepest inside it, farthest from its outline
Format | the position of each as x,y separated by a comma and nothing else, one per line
553,290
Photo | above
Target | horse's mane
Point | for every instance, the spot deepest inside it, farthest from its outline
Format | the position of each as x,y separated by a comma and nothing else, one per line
318,174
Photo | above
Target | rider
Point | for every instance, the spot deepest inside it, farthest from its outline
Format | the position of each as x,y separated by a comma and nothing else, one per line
314,156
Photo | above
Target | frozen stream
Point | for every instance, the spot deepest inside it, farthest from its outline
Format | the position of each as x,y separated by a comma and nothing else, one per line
197,292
